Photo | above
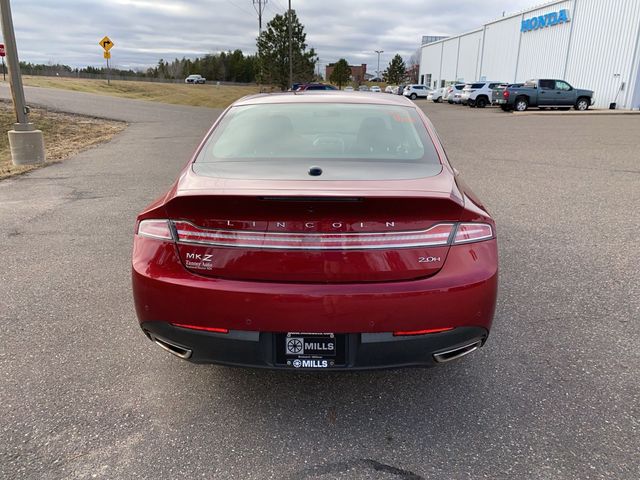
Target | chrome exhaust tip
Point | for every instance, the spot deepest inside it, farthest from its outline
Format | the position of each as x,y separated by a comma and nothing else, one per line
458,352
172,348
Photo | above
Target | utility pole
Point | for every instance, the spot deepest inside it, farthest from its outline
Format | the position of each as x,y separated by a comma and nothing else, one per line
290,48
259,6
378,71
27,143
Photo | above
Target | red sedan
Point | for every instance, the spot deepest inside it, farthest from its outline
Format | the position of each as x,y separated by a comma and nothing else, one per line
317,231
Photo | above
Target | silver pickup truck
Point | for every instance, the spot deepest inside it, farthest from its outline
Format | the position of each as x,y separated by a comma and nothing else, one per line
544,94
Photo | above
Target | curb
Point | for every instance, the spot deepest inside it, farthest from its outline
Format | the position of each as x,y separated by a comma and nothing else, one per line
576,113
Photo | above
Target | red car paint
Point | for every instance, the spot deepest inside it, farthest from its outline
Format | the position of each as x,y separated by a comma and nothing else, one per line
336,291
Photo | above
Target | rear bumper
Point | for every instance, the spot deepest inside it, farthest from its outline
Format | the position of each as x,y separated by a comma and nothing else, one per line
462,294
363,351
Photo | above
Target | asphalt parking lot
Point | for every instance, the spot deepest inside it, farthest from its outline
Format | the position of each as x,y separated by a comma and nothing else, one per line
555,393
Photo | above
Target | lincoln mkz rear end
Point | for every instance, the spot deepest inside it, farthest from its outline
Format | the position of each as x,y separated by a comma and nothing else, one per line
321,231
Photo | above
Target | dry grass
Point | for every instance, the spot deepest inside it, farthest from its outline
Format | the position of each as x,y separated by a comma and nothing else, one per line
64,135
209,95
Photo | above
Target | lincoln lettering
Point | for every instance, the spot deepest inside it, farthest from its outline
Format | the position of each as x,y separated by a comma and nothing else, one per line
308,225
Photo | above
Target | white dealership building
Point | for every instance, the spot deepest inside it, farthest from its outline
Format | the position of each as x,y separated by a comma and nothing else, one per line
593,44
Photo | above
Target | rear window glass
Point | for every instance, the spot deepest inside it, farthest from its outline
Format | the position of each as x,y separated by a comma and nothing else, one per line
477,85
347,141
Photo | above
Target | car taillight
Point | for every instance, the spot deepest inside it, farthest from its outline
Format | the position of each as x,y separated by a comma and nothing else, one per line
437,235
158,229
472,232
505,94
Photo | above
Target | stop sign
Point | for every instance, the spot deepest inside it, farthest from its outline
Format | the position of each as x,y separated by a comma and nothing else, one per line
2,54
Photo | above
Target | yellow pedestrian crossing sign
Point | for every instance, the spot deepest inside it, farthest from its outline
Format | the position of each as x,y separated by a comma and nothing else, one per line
106,43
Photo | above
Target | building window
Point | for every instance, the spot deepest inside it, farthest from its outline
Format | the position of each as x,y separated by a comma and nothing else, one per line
428,79
442,84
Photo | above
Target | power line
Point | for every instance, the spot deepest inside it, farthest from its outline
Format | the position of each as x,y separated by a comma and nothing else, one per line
279,5
239,7
274,10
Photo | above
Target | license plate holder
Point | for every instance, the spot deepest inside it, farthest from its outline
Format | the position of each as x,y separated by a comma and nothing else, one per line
310,350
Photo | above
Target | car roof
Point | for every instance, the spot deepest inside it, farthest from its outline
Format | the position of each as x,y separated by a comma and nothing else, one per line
328,96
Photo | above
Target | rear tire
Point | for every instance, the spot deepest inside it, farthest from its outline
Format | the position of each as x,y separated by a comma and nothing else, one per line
522,104
481,102
582,104
413,96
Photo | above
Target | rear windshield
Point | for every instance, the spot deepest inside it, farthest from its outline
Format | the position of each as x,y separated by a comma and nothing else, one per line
347,142
477,85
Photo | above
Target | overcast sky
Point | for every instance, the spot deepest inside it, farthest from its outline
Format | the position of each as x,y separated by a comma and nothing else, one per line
67,31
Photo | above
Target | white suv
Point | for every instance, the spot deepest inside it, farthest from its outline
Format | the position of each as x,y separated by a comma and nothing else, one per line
478,94
414,91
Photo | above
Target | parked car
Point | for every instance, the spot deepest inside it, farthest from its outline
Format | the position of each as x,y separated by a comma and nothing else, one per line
451,91
436,95
395,90
389,89
406,275
545,93
376,89
478,94
414,91
306,87
455,97
195,79
348,89
363,88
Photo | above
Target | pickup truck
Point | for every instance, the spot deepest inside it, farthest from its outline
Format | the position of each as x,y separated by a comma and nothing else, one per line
543,93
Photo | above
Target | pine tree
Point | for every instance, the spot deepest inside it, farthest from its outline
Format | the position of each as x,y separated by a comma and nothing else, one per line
273,52
341,73
396,71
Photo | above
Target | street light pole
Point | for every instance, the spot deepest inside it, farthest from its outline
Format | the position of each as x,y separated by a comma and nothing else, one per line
378,71
27,144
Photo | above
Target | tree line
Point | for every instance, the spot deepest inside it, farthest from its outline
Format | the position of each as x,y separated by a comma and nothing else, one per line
229,66
270,66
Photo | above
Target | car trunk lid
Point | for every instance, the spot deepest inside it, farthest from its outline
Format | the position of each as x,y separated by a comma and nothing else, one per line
316,239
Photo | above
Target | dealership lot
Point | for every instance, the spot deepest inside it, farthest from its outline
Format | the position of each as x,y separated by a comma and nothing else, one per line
554,394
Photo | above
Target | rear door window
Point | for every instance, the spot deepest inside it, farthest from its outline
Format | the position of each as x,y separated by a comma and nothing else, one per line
547,84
